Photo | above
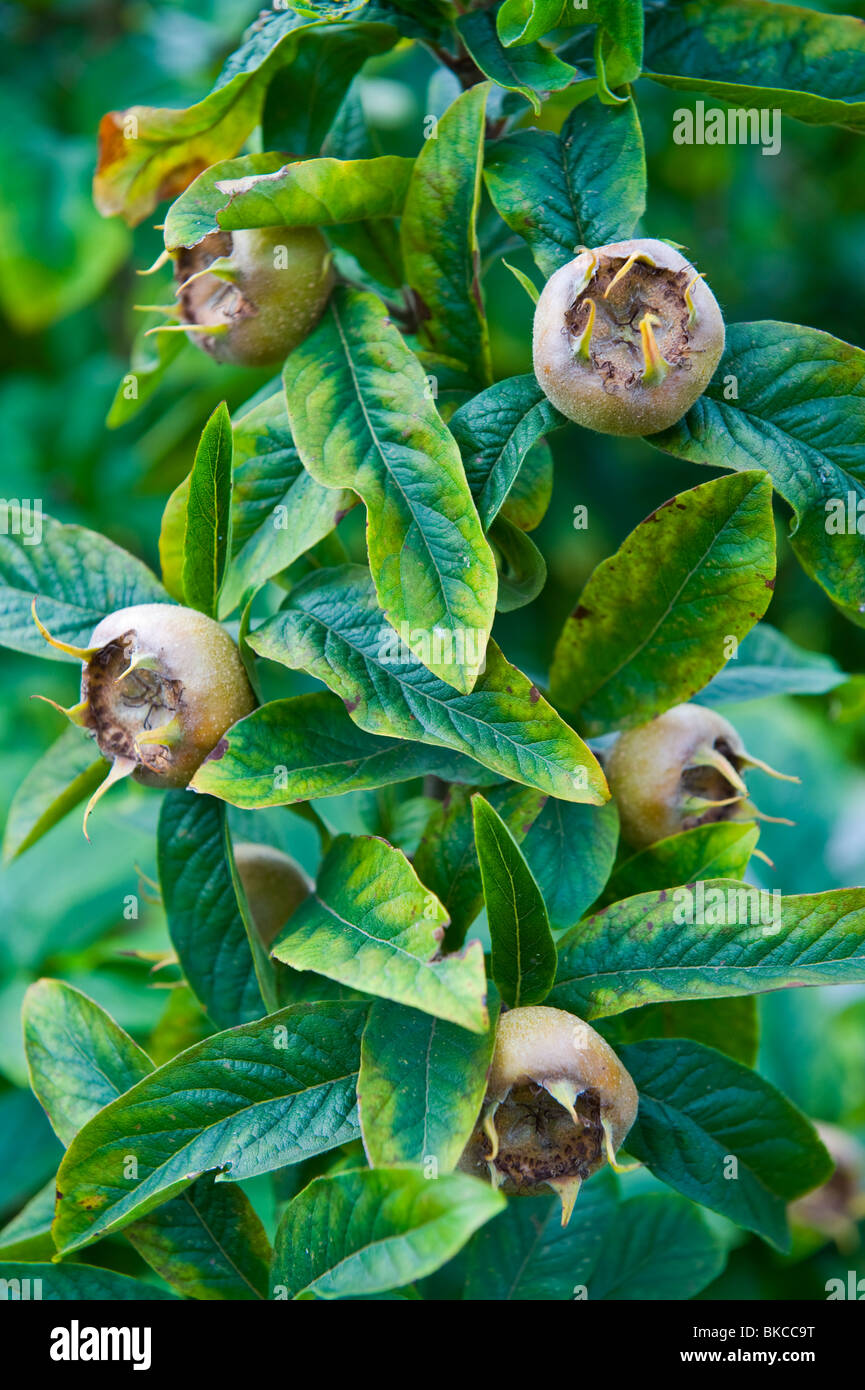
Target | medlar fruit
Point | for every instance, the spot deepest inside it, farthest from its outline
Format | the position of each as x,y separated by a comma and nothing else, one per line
558,1105
159,687
274,885
249,297
680,770
626,337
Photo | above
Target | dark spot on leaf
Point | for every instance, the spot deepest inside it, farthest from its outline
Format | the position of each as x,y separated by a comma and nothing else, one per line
662,896
534,695
580,612
343,511
770,583
218,752
351,705
96,1199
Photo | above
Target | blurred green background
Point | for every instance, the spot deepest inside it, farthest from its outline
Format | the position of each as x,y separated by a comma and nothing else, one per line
778,237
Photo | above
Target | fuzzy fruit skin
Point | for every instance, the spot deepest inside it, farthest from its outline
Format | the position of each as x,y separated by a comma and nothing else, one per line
585,391
274,884
198,667
645,765
536,1047
267,309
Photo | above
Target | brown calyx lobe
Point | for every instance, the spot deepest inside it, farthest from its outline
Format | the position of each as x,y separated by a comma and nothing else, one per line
141,701
615,349
710,782
210,299
538,1140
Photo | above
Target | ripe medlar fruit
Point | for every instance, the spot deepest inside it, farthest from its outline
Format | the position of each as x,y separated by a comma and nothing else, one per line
159,687
557,1107
250,297
626,337
274,885
681,770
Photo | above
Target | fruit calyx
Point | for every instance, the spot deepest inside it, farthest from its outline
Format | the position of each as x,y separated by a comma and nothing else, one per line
160,684
249,297
558,1105
626,337
681,770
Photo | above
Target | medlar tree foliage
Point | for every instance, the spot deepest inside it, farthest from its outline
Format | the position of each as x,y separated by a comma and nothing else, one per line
346,1040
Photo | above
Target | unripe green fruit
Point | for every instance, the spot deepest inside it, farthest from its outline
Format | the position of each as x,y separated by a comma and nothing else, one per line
159,687
681,770
558,1105
274,885
260,291
626,337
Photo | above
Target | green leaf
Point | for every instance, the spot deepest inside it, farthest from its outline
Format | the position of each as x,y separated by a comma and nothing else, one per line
208,510
29,1151
799,410
447,861
585,187
361,418
529,69
659,1247
730,1025
722,850
148,153
76,576
332,628
623,21
698,1111
439,238
205,922
527,1255
75,1283
524,280
529,498
652,623
522,21
523,951
79,1058
278,510
768,663
361,1233
242,1102
758,55
371,924
208,1243
172,536
28,1235
639,952
149,360
302,100
495,431
570,850
422,1083
307,746
521,567
260,190
70,770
